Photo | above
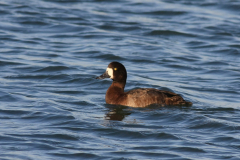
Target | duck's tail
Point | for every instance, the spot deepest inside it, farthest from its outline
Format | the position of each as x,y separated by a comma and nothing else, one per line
177,100
184,103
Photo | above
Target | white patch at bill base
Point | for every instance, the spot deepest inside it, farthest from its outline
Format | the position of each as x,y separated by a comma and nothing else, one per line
110,72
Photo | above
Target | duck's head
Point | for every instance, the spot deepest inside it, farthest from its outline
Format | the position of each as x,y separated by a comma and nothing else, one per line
116,71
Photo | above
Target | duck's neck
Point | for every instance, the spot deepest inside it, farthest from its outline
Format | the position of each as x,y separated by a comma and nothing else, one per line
114,92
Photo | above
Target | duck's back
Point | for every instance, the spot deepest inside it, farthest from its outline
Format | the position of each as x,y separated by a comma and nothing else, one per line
143,97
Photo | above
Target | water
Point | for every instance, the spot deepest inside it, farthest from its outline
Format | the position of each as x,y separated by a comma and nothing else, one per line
52,107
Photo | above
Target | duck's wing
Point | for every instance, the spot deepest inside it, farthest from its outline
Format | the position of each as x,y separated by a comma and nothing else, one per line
143,97
174,99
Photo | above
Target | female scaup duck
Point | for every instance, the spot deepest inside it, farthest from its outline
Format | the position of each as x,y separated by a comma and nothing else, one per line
141,97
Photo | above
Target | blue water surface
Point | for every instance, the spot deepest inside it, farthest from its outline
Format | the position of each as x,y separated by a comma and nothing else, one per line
52,107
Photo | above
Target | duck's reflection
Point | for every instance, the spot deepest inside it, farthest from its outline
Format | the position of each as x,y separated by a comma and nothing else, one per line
117,113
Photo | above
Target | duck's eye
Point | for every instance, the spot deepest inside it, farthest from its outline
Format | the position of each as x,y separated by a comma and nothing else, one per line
115,69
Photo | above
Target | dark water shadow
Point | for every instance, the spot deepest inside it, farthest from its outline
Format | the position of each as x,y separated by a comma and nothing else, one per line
116,112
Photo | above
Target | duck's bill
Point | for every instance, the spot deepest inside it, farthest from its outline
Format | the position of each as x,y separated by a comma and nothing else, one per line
104,75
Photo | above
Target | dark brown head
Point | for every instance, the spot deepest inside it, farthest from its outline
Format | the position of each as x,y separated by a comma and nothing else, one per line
116,71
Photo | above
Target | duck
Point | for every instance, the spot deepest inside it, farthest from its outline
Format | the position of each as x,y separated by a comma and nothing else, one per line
140,97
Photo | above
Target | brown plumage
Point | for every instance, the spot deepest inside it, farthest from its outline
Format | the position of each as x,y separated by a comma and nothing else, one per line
141,97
